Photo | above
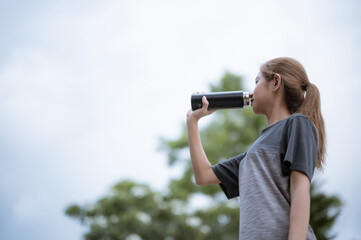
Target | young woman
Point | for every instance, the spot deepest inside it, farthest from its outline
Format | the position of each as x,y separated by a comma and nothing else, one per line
273,178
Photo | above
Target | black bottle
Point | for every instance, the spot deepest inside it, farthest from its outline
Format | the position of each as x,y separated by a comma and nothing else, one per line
222,100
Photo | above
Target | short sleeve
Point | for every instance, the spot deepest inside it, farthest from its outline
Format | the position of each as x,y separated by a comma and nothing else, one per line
299,147
227,173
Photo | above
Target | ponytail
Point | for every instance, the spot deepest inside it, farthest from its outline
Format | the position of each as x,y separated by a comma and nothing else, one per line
301,96
311,107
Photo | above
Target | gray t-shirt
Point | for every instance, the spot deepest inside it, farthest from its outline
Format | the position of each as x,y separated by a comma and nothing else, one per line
261,177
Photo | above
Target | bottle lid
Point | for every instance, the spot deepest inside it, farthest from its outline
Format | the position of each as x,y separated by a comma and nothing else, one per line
246,100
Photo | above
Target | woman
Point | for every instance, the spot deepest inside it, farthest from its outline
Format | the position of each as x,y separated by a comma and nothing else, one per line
273,177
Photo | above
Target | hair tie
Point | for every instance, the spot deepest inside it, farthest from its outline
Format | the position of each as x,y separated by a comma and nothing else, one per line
305,89
305,86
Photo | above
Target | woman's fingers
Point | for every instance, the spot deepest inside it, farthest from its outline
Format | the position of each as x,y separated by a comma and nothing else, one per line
205,103
199,113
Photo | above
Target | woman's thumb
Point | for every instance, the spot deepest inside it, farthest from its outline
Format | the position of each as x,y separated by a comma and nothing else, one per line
205,102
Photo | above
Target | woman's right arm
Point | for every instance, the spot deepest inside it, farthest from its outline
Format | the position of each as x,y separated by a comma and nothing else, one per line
202,168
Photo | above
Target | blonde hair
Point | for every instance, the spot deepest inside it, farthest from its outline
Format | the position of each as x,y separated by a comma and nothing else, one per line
301,96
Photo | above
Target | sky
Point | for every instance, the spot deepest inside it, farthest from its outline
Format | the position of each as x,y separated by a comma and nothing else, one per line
88,88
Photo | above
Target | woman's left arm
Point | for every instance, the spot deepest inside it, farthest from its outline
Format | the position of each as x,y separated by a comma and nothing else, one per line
300,205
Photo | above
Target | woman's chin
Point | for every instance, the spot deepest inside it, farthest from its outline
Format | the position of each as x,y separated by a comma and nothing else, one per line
256,111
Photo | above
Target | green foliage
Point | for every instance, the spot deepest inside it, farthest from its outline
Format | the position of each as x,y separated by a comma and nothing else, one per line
134,211
324,212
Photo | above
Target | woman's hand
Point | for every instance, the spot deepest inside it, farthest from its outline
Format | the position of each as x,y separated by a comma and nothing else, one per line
199,113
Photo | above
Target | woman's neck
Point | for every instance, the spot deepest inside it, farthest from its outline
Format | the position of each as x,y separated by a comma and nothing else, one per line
277,114
277,110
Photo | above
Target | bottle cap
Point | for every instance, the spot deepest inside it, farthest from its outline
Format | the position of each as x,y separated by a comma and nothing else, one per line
246,100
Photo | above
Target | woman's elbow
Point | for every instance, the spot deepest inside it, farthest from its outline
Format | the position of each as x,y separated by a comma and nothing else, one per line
200,181
210,180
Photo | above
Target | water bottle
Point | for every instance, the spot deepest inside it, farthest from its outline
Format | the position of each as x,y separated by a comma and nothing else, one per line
222,100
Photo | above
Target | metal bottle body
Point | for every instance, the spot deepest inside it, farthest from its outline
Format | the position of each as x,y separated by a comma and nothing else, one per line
222,100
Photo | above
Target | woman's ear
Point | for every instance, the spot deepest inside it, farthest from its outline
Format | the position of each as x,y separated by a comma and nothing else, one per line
276,82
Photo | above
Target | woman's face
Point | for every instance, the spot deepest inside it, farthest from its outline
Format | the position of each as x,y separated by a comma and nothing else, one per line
262,96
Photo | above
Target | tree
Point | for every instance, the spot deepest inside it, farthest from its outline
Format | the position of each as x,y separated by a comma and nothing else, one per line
134,211
324,212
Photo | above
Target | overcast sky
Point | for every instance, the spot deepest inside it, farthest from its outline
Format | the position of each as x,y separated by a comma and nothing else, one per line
87,88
